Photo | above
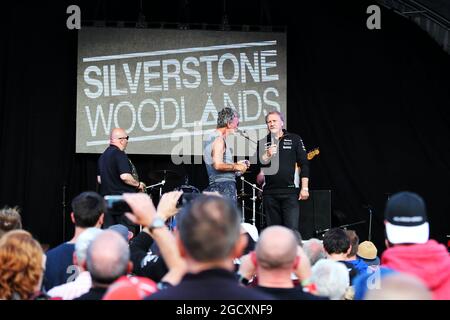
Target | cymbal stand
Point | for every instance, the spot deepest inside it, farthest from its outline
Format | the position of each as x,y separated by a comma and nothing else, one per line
163,182
160,185
254,188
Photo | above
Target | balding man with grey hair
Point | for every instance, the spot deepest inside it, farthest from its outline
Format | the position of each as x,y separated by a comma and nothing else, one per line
331,279
107,259
314,250
218,156
116,175
277,258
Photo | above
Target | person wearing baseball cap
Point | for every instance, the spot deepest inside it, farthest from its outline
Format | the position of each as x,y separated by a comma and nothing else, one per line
130,288
409,248
368,253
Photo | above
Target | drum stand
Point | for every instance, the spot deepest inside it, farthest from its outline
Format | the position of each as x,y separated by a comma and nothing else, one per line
160,185
254,188
243,201
163,182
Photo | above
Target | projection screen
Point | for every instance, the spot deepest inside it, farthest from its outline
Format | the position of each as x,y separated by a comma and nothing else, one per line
165,87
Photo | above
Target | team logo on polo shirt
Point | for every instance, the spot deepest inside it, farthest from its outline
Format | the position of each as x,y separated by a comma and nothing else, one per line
287,144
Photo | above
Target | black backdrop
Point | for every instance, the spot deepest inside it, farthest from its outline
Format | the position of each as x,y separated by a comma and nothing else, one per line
375,102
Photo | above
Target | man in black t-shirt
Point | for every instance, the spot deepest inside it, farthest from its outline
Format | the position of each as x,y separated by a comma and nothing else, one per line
281,156
115,176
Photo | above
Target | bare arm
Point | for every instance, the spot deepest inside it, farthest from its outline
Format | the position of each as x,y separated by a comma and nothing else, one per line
269,153
99,180
128,179
144,213
304,191
247,269
167,206
218,148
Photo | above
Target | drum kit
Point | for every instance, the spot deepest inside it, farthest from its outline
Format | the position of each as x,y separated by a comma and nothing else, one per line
171,178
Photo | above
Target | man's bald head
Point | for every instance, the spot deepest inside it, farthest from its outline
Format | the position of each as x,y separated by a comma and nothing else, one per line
276,248
108,257
119,138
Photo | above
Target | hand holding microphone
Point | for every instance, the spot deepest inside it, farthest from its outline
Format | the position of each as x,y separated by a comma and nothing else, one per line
271,149
242,166
246,162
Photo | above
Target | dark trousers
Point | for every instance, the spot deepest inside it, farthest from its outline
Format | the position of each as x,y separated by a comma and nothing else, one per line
282,209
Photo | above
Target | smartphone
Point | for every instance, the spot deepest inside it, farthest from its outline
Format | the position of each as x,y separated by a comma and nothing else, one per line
117,204
186,198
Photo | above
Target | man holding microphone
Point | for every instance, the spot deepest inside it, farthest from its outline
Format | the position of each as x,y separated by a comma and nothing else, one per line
218,156
280,154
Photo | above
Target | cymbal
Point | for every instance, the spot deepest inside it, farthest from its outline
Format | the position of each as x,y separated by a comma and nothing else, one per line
167,175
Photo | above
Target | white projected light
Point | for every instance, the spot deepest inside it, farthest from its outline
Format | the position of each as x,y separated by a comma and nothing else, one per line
165,87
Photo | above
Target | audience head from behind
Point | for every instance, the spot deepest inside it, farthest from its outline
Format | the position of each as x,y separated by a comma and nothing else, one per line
336,244
70,290
279,264
331,279
314,250
208,233
406,219
108,258
298,237
354,242
276,250
277,257
131,288
88,210
338,247
22,263
409,248
208,239
251,232
10,219
82,244
367,251
400,286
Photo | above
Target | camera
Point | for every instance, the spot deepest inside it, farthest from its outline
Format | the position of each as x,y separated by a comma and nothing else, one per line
189,193
117,204
186,198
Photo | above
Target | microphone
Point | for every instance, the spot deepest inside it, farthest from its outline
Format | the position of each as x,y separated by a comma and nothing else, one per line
272,138
241,132
244,133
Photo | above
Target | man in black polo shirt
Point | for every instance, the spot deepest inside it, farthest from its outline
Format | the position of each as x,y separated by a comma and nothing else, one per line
116,175
282,155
